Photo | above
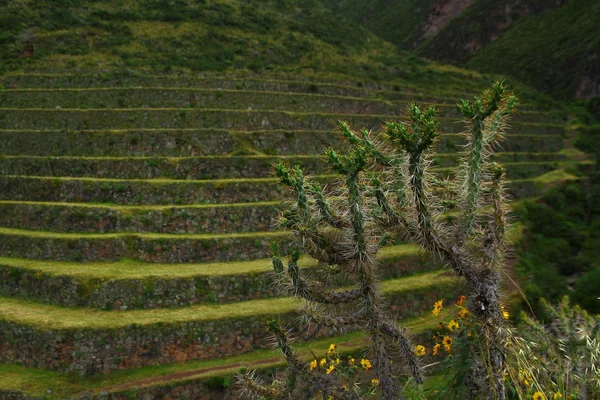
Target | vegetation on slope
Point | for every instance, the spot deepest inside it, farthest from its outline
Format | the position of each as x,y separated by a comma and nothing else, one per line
199,35
553,46
557,52
298,37
395,22
559,253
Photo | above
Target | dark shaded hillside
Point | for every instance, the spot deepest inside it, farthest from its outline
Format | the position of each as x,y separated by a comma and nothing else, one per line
398,22
479,23
551,44
558,52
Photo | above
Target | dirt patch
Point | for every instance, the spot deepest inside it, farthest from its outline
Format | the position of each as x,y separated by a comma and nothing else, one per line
178,376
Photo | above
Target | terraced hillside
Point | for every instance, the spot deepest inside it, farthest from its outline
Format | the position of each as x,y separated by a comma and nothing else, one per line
136,214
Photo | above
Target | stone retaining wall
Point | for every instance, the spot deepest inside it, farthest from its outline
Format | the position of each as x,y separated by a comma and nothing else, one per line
94,351
186,143
122,294
339,88
65,119
148,249
68,218
151,168
149,192
197,168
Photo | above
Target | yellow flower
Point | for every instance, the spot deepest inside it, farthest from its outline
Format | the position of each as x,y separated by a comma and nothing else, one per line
322,362
524,378
366,364
538,396
461,300
374,381
312,365
330,369
447,341
330,398
337,361
505,313
420,350
331,350
557,395
452,325
436,349
437,307
463,313
351,361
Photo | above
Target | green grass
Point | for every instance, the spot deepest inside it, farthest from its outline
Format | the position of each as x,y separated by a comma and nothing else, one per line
297,37
35,382
223,110
210,181
395,21
311,96
342,82
180,236
568,152
162,181
169,159
45,316
166,181
127,210
130,269
555,176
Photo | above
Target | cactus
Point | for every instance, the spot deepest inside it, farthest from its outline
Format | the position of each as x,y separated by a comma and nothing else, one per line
386,190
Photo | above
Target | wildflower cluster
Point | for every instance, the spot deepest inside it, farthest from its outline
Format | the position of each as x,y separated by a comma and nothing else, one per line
443,338
354,375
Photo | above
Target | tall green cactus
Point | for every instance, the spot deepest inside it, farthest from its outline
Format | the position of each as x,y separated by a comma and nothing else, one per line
387,190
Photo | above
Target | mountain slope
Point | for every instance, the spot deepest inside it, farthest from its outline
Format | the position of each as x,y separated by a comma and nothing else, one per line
552,45
561,53
181,34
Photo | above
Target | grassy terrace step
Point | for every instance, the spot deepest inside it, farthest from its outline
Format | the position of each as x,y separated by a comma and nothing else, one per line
36,382
202,218
310,143
104,218
76,119
130,285
138,192
91,341
163,97
157,248
204,142
173,248
341,88
195,168
164,191
201,98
